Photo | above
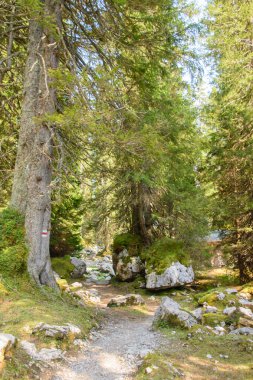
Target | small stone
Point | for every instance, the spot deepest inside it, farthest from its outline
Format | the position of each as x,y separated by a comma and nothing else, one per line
44,355
127,300
211,309
219,329
229,310
209,356
68,330
231,291
243,331
221,296
197,313
148,370
246,312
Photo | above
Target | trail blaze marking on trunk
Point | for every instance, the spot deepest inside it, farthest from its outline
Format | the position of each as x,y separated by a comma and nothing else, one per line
44,233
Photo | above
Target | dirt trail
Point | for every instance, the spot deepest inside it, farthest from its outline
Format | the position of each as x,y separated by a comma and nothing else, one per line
116,350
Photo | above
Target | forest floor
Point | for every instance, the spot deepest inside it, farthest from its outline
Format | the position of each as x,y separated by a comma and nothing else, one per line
120,342
126,347
115,351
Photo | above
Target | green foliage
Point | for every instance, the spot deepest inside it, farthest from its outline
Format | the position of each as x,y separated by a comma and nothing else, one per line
13,250
163,252
127,241
230,111
66,222
62,266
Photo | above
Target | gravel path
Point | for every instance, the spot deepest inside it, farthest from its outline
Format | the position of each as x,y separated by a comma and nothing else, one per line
116,350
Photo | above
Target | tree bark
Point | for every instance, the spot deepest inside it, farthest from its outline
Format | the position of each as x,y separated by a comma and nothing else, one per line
31,193
141,213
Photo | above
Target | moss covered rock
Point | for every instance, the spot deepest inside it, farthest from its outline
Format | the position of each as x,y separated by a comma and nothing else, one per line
127,263
62,283
213,319
63,266
213,298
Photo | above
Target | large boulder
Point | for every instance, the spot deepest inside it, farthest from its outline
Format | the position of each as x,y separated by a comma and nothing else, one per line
127,300
176,275
80,267
127,267
170,312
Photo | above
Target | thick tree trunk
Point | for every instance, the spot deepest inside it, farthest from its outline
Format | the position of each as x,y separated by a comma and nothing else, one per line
141,213
31,193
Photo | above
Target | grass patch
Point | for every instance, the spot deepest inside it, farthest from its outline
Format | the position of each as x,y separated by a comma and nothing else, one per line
26,305
189,356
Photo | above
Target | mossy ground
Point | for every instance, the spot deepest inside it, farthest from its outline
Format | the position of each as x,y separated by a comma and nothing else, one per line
189,356
181,354
25,306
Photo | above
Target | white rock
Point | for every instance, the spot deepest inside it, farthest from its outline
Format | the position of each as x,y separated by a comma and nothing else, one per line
106,267
246,312
176,275
65,331
197,313
148,370
45,354
76,285
231,291
229,310
169,310
243,331
245,296
221,296
246,303
80,267
209,356
127,267
219,329
127,300
211,309
7,341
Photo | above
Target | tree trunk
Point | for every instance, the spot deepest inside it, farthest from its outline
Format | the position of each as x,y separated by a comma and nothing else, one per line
31,193
141,213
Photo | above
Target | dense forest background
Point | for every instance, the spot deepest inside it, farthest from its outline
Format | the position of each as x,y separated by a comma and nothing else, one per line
103,132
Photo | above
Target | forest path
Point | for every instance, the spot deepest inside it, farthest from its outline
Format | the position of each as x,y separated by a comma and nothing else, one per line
117,349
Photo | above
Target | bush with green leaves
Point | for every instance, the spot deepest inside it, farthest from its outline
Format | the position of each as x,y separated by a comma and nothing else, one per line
13,249
66,222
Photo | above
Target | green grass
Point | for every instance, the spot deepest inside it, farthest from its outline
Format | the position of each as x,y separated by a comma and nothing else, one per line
26,305
188,356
